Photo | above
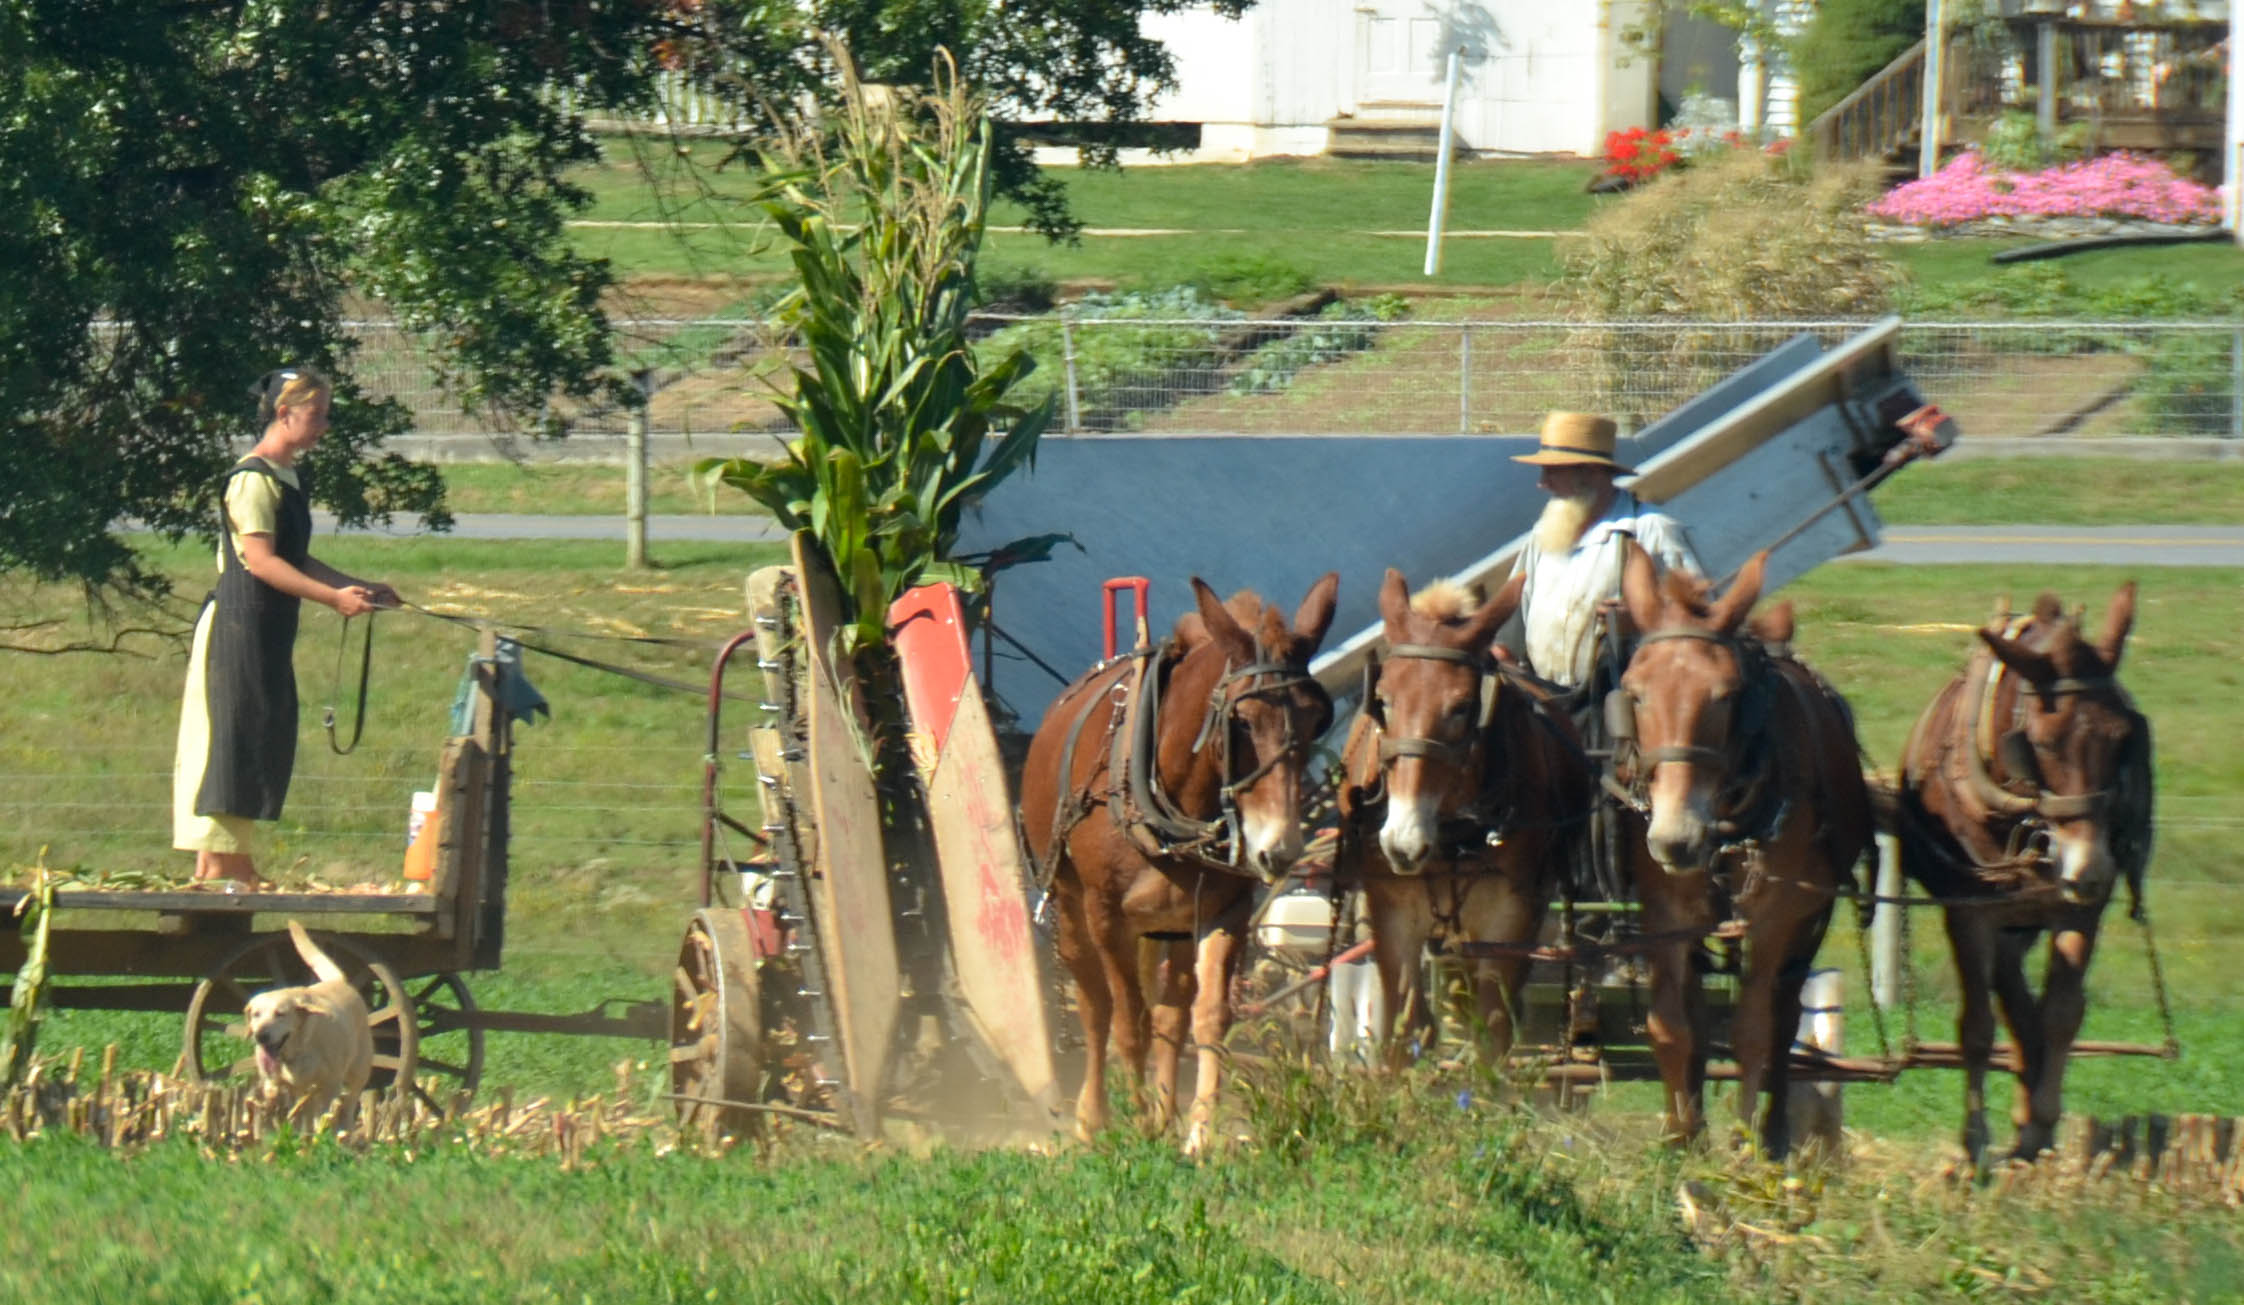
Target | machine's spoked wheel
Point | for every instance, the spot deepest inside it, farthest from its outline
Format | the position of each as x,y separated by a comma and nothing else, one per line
451,1041
716,1024
217,1044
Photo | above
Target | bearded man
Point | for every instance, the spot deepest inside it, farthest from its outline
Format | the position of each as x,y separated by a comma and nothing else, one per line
1574,556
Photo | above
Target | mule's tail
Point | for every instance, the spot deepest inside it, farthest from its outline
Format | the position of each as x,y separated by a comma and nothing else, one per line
322,964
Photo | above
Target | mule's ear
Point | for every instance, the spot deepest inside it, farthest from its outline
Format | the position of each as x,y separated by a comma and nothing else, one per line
1314,616
1728,612
1774,624
1484,624
2036,667
1220,624
2118,620
2049,608
1640,587
1394,601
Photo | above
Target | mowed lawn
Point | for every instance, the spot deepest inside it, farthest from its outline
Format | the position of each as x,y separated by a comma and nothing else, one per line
660,213
1318,215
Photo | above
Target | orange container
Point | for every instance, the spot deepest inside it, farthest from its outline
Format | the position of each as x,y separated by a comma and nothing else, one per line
420,853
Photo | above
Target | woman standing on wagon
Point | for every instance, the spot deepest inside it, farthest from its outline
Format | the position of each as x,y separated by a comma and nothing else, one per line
237,720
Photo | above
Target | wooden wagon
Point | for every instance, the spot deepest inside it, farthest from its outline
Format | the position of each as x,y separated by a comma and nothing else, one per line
410,951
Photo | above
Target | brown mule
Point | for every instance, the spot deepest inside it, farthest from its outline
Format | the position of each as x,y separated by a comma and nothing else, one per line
1160,791
1464,800
2025,796
1745,763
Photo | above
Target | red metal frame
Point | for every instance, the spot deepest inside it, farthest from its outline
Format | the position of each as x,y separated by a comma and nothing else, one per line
1106,606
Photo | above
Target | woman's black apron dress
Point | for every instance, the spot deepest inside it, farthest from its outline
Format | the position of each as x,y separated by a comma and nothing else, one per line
249,672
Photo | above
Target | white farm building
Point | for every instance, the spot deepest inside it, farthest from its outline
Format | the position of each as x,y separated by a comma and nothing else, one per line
1299,77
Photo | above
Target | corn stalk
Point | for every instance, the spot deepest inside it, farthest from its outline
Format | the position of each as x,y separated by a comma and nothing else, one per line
28,998
882,210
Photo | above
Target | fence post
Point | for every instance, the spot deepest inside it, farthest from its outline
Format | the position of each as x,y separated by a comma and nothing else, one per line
1074,400
635,475
2236,384
1464,380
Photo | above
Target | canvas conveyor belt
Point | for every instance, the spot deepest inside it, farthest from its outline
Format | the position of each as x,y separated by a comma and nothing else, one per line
779,759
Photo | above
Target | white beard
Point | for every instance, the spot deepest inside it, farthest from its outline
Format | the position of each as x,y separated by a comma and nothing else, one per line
1562,522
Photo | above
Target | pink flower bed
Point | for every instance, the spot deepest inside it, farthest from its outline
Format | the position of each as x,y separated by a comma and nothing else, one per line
2110,185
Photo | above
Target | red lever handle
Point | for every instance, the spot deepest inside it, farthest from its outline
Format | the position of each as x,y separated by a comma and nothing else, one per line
1140,585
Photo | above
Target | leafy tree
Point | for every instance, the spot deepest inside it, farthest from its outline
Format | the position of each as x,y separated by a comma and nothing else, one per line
192,193
1846,42
1086,65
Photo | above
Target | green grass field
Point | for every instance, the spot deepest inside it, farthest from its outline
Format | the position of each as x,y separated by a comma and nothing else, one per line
2016,491
1349,1189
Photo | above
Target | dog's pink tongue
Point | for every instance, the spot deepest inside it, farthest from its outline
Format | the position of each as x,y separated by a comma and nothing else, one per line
266,1065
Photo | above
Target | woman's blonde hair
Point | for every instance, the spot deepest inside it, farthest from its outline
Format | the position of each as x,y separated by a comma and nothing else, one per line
289,387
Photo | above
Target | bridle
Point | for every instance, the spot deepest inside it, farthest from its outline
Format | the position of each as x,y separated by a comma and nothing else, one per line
1223,709
1136,800
1489,685
1620,712
2015,750
1746,795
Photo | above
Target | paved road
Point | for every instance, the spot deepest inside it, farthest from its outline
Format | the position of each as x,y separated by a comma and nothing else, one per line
2063,545
2067,545
497,525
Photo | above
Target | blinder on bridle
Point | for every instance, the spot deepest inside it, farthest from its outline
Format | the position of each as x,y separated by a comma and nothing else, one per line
2015,750
1392,749
1223,705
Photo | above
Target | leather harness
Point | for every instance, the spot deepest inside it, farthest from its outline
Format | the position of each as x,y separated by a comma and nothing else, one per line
1148,815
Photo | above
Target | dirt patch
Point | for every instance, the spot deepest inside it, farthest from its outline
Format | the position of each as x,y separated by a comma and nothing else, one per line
684,297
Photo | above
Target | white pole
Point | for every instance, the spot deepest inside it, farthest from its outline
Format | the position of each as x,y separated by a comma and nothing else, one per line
2234,136
1441,170
1936,49
1753,87
1886,959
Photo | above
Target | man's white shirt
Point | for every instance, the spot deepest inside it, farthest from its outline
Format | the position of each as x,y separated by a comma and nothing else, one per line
1558,608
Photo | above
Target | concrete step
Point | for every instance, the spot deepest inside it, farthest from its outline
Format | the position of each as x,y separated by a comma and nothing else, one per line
1416,139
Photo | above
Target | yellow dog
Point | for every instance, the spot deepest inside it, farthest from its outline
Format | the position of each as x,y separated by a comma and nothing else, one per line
313,1043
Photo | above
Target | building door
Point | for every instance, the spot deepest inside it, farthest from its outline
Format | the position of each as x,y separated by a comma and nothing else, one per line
1399,53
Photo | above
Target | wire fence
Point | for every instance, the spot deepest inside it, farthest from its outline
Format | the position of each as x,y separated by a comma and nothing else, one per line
106,809
1357,376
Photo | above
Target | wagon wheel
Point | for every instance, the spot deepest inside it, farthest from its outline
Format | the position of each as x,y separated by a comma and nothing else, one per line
216,1035
450,1044
716,1028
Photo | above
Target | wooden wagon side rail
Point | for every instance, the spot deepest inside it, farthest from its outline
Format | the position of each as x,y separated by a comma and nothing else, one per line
198,902
144,953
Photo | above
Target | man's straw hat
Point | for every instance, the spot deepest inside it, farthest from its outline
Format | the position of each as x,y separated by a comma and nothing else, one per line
1576,439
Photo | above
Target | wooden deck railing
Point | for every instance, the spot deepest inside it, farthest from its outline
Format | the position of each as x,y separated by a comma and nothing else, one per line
1879,117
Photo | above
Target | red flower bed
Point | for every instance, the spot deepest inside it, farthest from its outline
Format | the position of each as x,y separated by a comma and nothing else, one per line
1639,155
